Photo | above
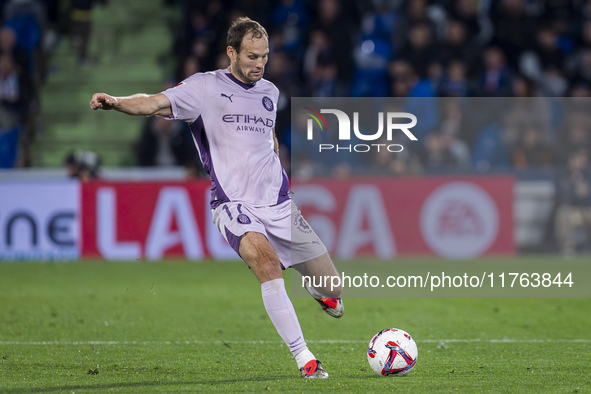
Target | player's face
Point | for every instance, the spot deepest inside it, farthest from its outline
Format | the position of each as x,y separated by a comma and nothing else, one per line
249,64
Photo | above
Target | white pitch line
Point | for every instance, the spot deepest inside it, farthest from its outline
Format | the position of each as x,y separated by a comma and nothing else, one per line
320,341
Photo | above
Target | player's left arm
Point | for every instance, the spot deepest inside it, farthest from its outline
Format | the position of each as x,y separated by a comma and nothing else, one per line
138,104
276,142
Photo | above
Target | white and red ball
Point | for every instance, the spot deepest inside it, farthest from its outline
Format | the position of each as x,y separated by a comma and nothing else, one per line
392,352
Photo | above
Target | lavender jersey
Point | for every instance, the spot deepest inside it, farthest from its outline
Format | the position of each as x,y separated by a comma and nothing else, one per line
232,125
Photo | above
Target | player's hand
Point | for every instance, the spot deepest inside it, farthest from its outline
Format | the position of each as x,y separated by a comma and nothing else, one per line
102,101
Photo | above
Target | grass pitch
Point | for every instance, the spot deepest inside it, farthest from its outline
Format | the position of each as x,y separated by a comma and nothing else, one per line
178,326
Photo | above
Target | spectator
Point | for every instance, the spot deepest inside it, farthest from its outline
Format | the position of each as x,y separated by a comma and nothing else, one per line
372,53
188,66
444,151
579,89
420,50
401,77
291,19
12,94
526,108
203,32
579,65
282,69
575,136
573,216
586,9
422,103
222,61
455,83
201,51
81,28
522,86
8,47
165,143
83,165
531,151
465,12
320,46
547,49
514,28
554,83
583,38
458,45
32,8
397,164
331,16
544,59
413,13
28,19
325,82
495,78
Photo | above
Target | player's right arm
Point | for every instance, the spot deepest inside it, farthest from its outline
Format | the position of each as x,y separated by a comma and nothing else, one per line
138,104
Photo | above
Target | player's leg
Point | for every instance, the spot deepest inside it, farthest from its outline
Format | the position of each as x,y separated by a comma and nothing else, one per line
322,276
260,256
298,246
323,283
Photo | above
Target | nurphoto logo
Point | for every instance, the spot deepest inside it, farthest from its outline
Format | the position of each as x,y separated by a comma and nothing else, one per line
391,119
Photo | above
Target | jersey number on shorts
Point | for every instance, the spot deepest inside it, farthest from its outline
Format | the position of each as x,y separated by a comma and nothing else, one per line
228,212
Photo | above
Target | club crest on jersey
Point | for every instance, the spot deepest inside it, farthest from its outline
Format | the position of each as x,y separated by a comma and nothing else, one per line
243,219
268,103
300,223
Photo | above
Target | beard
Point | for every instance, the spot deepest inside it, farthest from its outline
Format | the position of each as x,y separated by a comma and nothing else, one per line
242,76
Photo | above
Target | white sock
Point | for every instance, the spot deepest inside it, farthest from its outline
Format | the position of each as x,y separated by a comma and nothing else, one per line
303,357
280,310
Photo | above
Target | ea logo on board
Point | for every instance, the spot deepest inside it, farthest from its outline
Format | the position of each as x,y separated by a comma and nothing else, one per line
459,220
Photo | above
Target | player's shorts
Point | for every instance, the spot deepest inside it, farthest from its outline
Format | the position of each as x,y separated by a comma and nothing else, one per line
284,226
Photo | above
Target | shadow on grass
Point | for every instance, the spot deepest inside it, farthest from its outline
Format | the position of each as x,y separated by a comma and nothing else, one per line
106,386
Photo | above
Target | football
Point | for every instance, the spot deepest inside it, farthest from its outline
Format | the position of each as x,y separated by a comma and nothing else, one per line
392,352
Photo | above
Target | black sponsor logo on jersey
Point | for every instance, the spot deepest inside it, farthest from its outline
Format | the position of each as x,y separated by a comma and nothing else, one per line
248,119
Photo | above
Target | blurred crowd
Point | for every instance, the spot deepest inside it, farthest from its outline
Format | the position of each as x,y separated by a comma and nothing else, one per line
414,48
454,63
440,57
348,48
29,30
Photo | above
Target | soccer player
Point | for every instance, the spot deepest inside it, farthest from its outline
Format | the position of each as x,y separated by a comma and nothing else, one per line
231,114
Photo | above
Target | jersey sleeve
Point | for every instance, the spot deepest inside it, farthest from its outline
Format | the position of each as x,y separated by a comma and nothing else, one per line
186,98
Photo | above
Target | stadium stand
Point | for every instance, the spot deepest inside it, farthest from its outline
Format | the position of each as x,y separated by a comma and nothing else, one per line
535,50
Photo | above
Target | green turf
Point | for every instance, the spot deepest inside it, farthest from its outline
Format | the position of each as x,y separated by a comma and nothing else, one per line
178,326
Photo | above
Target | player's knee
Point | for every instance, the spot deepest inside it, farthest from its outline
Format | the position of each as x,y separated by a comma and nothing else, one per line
266,269
251,246
260,258
248,252
256,251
